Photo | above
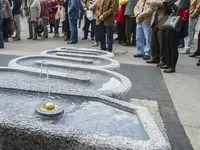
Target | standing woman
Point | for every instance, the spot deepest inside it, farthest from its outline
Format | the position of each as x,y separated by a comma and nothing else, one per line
1,30
181,8
52,13
7,15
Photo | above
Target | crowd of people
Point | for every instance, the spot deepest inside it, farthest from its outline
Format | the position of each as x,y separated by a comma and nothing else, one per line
140,23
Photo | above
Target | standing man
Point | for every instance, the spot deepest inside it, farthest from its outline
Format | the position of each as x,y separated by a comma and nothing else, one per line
158,18
143,14
87,4
17,14
1,29
105,12
34,14
75,6
45,16
130,28
193,19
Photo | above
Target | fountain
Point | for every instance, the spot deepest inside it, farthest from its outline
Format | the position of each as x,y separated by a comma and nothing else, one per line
75,52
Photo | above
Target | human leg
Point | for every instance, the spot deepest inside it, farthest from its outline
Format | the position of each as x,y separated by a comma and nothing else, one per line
109,33
147,33
140,37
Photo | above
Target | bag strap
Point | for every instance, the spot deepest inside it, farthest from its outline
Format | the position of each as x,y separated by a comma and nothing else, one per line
143,5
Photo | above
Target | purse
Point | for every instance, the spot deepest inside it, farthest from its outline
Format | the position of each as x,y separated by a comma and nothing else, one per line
173,23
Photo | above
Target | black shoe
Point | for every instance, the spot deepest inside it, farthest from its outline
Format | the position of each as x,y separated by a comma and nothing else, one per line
34,38
71,42
153,61
138,56
196,53
92,39
46,37
165,67
127,44
146,57
170,70
30,38
117,39
6,40
160,64
84,38
50,31
198,62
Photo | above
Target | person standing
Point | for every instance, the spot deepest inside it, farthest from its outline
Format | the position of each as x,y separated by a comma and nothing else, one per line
130,28
1,30
17,14
75,6
52,13
193,19
158,18
67,28
87,4
105,12
93,8
57,18
34,15
143,14
45,16
7,16
198,48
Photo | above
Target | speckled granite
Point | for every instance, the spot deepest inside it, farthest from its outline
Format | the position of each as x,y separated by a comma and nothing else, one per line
102,81
21,128
78,51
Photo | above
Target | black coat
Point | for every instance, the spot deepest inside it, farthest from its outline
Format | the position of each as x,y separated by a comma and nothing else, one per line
17,7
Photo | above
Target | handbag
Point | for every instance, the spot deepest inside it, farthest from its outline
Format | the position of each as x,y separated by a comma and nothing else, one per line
173,23
40,27
89,15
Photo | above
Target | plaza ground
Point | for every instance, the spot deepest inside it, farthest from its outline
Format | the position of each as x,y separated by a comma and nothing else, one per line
177,95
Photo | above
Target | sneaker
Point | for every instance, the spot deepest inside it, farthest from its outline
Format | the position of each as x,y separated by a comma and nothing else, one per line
185,51
95,44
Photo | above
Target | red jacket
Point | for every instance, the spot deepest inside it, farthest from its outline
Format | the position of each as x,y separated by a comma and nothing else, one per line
120,17
44,8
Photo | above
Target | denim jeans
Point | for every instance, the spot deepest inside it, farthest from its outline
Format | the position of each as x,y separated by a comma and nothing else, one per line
143,34
104,31
191,32
73,29
57,22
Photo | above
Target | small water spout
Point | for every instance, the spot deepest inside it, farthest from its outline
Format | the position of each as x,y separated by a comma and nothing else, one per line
44,63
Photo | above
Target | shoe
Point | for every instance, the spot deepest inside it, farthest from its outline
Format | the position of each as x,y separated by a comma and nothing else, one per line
16,39
181,46
185,51
160,64
92,39
50,31
6,40
46,37
146,57
66,39
138,56
116,39
29,38
34,38
71,42
169,70
198,62
121,42
84,38
165,67
196,53
95,44
54,35
153,61
127,44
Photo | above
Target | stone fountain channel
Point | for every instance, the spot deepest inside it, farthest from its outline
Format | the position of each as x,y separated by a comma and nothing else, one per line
82,126
99,80
70,51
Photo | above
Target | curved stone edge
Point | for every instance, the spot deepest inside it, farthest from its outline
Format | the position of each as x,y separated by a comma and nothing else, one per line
114,65
15,128
119,92
107,54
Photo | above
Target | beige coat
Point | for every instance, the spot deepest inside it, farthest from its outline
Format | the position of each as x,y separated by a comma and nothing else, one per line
145,11
34,10
194,8
157,6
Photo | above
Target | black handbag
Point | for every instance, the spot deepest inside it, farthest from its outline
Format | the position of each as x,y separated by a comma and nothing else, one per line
173,23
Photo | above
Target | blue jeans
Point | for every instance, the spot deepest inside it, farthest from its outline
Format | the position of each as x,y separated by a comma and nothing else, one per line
191,32
73,29
143,34
102,32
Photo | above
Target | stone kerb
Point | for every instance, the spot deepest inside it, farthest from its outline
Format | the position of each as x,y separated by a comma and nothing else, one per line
74,50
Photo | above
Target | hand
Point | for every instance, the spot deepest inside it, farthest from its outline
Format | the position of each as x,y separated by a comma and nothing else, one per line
148,3
101,18
140,18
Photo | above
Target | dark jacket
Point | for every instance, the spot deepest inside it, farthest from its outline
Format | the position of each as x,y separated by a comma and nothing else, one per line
17,7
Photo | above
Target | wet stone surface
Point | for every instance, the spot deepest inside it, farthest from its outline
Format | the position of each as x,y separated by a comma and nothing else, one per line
89,116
